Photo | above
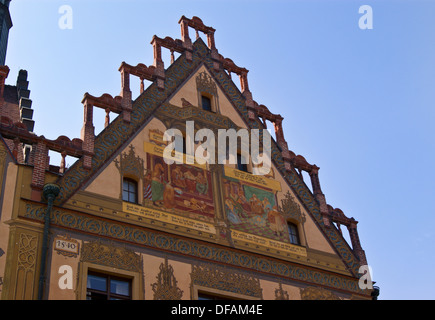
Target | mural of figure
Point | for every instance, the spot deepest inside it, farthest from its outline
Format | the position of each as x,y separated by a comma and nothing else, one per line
190,181
259,215
201,184
276,221
232,193
256,205
232,212
243,201
169,197
157,184
179,188
177,177
267,206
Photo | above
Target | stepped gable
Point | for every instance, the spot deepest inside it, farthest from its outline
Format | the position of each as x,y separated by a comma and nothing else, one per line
164,82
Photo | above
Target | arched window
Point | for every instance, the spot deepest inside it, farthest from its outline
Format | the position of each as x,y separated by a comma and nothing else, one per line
129,190
293,233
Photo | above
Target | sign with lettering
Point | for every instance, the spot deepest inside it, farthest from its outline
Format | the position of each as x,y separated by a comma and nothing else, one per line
179,157
261,181
66,246
268,243
168,218
156,136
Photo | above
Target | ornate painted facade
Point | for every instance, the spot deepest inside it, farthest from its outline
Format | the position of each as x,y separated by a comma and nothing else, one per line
122,215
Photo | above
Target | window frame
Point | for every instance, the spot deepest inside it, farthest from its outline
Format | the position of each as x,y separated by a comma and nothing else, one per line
197,290
137,289
295,234
241,166
210,98
136,191
203,97
107,292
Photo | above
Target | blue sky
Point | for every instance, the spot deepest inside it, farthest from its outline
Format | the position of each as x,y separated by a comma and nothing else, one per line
357,103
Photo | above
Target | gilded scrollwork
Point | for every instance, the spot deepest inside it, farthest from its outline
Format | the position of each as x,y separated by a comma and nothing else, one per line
224,279
27,250
111,256
166,286
205,83
290,209
317,293
130,164
281,294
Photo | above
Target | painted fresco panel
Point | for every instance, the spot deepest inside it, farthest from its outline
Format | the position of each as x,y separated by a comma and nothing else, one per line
253,209
185,189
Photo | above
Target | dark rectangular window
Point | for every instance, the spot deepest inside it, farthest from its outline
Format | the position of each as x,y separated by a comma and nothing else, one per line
240,163
107,287
129,190
206,103
293,233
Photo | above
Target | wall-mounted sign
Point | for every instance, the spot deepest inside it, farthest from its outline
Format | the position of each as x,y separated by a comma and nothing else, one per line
266,243
178,157
261,181
66,246
168,218
156,137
